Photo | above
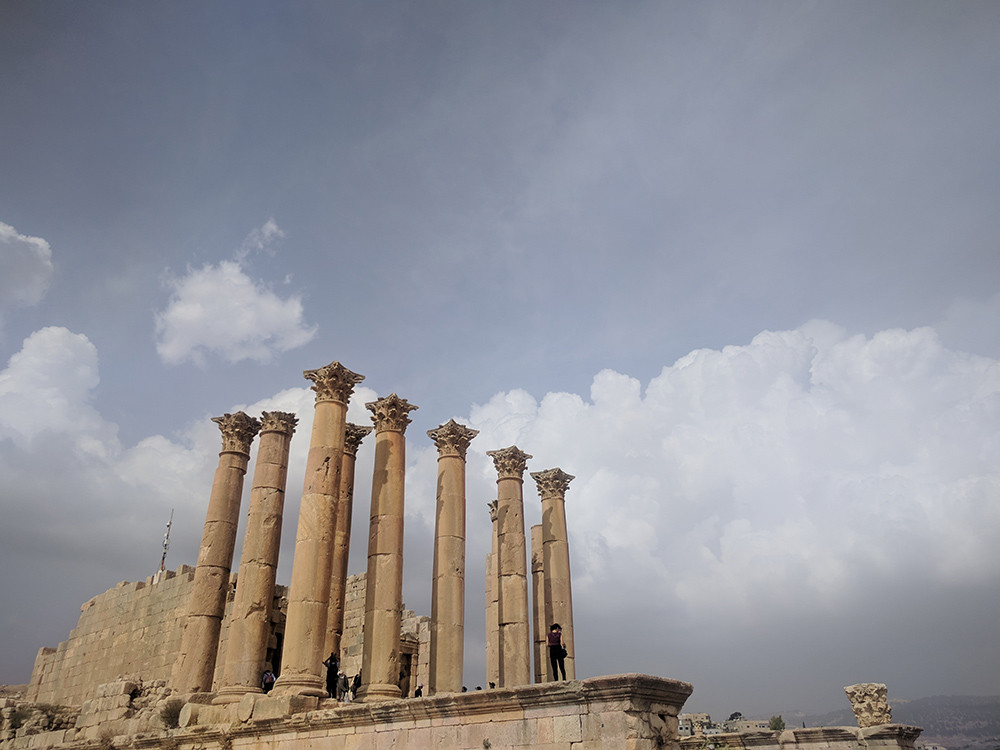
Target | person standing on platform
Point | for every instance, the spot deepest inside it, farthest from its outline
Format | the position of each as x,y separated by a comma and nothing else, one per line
557,652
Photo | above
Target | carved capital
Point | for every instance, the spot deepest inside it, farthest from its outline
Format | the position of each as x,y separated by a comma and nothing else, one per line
278,421
452,438
870,704
238,431
509,462
353,435
333,382
494,510
552,482
390,413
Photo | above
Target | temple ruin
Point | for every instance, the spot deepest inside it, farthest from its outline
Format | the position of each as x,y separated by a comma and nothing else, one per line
175,661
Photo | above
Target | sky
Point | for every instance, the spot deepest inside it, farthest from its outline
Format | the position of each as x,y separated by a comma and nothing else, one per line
734,266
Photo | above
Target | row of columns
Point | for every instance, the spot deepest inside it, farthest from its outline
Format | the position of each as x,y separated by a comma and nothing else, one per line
508,644
316,595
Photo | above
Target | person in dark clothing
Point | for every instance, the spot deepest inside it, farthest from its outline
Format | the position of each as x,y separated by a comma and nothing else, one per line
343,687
267,681
332,665
355,684
557,652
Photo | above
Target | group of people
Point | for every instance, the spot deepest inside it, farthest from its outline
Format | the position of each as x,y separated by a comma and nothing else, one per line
340,687
337,683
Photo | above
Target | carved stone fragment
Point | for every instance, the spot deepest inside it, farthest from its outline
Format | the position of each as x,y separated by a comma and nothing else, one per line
868,700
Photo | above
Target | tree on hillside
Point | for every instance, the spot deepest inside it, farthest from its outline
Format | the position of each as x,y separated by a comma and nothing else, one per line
776,724
735,716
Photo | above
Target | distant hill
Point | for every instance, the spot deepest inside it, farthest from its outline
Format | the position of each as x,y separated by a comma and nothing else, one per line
957,722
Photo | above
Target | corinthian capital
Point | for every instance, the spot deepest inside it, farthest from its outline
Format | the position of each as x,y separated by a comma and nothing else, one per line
509,462
278,421
333,382
452,438
353,435
390,413
552,482
238,431
494,510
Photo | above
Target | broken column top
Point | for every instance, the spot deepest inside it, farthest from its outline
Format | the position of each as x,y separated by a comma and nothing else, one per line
869,702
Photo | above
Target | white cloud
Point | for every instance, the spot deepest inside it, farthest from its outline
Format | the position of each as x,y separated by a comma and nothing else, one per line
46,388
260,239
221,310
25,267
802,462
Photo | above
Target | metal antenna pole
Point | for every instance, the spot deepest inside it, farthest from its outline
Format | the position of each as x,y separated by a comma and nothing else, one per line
166,541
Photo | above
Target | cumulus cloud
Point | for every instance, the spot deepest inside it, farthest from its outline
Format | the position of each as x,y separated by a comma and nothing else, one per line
219,309
25,267
805,460
47,387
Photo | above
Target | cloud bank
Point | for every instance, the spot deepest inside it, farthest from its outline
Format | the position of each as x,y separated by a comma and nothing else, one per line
25,268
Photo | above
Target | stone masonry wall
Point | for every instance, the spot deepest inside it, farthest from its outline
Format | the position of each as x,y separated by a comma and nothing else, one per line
134,631
134,628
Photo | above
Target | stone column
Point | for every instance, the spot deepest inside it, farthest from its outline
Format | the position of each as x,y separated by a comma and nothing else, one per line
552,486
250,620
353,435
538,598
493,606
515,638
448,588
384,589
309,591
200,639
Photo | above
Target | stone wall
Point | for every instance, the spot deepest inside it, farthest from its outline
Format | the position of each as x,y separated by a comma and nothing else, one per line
623,712
133,631
884,737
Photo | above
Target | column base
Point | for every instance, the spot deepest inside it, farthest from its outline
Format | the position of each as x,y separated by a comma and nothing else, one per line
300,684
376,693
234,694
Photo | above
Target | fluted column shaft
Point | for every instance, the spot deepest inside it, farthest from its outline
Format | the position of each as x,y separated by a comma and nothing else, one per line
206,606
353,435
538,598
309,591
493,604
384,589
447,641
515,637
552,485
250,623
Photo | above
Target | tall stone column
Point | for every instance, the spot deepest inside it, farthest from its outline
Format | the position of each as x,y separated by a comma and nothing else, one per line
493,605
353,435
538,598
384,589
552,485
309,591
448,588
515,638
250,623
200,639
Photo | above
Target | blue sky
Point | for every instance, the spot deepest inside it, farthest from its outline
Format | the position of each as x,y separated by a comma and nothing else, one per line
735,267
